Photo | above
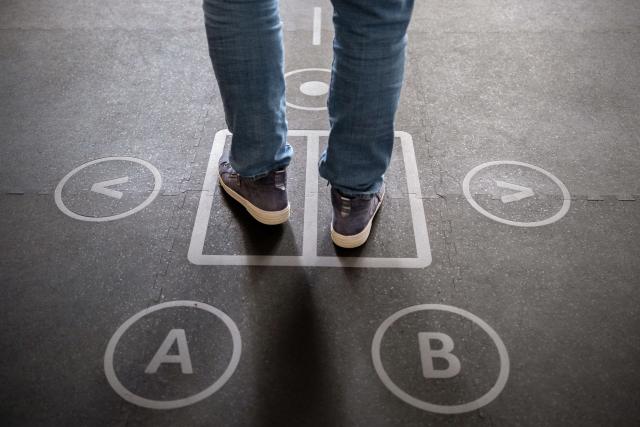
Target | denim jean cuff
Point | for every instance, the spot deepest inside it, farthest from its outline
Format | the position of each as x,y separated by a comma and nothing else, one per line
261,175
255,177
354,195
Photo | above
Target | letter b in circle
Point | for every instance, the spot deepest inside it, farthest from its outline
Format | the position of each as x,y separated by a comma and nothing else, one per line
428,354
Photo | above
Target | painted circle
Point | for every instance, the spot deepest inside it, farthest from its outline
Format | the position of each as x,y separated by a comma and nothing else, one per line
503,375
154,193
304,70
178,403
314,88
558,215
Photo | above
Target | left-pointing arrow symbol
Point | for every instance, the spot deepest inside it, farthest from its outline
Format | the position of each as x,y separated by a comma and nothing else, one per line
101,187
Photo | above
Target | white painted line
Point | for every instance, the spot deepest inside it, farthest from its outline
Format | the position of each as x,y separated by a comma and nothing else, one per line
522,192
154,193
101,187
420,233
503,375
309,256
310,234
566,203
305,70
127,395
209,187
317,25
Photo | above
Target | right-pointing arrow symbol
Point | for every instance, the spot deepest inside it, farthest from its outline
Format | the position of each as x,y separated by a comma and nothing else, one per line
522,192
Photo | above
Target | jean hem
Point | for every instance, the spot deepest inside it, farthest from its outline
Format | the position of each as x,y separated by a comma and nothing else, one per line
356,194
260,175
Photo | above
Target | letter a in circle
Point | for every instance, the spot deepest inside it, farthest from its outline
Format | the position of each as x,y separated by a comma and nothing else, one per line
163,356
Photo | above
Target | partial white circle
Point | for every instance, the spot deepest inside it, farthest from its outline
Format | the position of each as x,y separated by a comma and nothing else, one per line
303,70
314,88
154,193
565,195
432,407
178,403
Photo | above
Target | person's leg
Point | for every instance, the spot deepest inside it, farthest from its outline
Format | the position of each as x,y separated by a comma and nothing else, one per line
246,49
366,79
367,76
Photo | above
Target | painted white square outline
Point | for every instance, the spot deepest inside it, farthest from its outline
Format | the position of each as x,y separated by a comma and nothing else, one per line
309,257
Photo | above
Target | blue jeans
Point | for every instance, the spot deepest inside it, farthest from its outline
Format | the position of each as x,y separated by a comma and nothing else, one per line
247,53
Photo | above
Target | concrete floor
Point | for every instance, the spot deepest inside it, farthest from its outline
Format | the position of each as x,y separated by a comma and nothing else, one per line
467,307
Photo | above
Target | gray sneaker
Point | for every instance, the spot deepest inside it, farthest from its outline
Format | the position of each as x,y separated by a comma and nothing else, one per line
265,198
352,218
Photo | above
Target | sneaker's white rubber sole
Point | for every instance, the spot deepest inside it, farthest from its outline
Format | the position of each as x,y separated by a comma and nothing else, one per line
260,215
350,242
